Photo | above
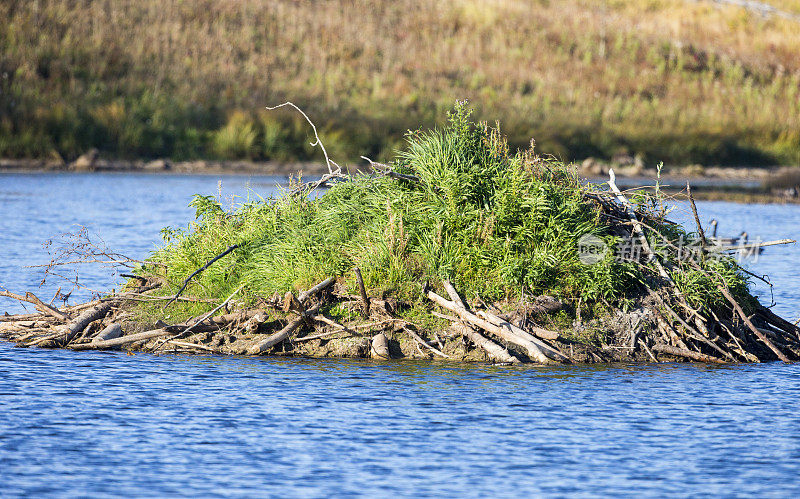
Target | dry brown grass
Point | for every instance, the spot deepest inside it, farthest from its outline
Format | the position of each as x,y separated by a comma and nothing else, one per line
674,80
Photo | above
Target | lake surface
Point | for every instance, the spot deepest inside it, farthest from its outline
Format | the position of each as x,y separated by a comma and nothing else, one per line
107,423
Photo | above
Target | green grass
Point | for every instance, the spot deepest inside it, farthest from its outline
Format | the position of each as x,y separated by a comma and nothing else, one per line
499,225
676,81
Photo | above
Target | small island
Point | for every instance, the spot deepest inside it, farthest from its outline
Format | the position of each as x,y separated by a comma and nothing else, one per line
459,250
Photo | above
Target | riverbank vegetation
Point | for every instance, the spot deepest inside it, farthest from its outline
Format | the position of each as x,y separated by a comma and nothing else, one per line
683,82
534,264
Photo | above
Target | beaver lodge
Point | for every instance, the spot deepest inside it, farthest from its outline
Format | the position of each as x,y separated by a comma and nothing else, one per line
460,250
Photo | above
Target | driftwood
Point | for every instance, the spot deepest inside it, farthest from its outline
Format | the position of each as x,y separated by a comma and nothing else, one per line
305,315
281,335
79,324
110,332
424,343
682,352
495,352
379,347
531,348
118,342
37,303
761,336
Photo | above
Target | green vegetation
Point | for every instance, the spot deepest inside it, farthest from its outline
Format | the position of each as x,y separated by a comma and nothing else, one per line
678,81
499,225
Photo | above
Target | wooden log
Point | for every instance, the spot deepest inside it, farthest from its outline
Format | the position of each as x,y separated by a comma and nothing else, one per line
545,334
380,347
424,343
495,352
118,342
547,349
110,332
531,348
305,295
37,303
281,335
688,354
86,318
68,332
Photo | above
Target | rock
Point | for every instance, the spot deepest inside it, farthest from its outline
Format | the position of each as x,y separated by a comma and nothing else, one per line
85,162
694,171
623,159
593,167
380,347
158,165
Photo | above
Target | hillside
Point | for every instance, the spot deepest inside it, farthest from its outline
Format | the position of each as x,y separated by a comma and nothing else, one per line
679,81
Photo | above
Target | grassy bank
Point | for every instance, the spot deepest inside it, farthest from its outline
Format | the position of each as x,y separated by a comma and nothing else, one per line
670,80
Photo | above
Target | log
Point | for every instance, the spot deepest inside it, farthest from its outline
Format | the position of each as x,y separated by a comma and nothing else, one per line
531,348
37,303
305,295
68,332
681,352
496,321
536,330
118,342
495,352
281,335
110,332
380,347
547,349
424,343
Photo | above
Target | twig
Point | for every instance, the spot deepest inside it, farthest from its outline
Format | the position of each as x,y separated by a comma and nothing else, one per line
363,291
208,264
696,217
724,290
206,316
317,141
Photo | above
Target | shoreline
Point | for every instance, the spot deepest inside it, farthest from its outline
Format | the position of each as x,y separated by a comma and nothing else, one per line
765,185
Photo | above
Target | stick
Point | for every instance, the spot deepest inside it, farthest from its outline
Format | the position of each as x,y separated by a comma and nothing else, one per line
193,345
117,342
533,350
424,343
637,227
696,217
284,333
317,142
37,303
190,328
186,282
680,352
724,290
495,352
363,291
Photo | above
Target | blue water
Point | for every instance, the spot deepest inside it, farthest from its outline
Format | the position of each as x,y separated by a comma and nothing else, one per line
107,423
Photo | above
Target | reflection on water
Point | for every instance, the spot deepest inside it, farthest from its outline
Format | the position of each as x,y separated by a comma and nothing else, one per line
102,423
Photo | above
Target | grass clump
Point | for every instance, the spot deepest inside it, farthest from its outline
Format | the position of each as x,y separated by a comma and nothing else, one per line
498,224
